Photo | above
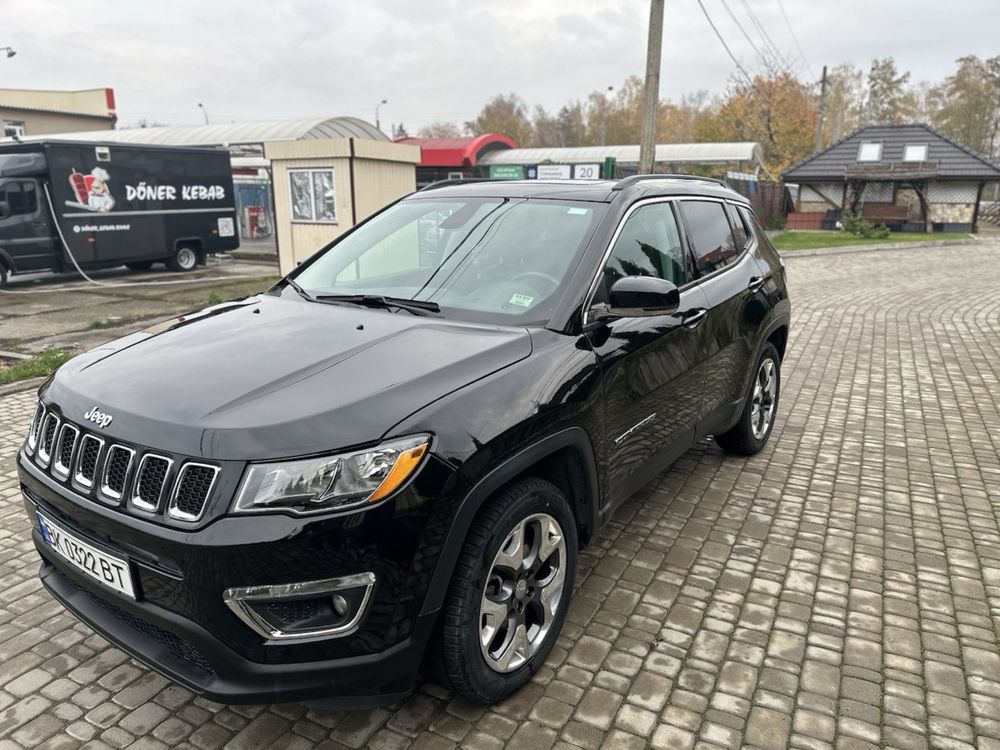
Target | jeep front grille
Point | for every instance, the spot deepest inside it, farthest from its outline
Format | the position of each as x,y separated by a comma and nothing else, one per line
150,479
124,476
116,468
47,438
86,462
191,492
36,426
64,453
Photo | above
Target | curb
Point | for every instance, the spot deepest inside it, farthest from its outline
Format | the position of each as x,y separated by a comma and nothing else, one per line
251,257
812,252
21,385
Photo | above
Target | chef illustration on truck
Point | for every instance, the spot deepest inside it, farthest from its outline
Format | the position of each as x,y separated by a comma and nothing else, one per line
92,190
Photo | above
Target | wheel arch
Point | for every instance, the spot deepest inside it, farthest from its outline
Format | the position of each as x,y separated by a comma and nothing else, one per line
553,458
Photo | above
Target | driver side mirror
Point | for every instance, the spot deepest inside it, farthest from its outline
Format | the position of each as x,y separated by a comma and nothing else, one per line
4,209
639,297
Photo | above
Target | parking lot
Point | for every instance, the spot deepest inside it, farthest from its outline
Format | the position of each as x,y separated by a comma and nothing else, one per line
841,589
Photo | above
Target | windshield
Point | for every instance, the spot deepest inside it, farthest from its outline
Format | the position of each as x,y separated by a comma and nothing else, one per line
492,260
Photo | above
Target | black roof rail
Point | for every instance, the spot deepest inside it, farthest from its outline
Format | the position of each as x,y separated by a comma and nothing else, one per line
637,178
446,183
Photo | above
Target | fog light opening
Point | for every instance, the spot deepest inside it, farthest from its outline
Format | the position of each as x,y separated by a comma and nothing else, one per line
312,609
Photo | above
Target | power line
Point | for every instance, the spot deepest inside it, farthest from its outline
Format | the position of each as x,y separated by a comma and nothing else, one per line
796,40
744,31
765,36
725,46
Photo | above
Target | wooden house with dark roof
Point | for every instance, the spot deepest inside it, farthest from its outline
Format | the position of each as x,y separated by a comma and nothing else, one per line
909,177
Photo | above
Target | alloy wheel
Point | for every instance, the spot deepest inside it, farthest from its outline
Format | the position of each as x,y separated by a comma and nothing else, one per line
522,594
765,391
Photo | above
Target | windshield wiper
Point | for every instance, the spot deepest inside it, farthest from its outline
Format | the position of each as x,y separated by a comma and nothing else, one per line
414,306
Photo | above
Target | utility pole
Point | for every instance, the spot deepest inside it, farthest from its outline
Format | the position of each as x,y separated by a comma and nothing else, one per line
650,98
822,112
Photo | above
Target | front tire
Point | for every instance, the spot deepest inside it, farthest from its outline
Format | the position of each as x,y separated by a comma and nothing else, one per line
184,259
509,593
750,434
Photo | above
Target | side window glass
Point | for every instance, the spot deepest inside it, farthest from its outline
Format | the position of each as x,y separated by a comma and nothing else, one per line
649,245
709,235
739,228
30,194
751,223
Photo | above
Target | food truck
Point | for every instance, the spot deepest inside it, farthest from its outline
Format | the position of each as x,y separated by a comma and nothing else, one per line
66,205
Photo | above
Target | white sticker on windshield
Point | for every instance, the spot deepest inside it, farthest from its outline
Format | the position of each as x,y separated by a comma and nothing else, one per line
522,300
576,211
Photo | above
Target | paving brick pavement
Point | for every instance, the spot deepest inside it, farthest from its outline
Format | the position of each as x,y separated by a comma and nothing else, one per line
842,589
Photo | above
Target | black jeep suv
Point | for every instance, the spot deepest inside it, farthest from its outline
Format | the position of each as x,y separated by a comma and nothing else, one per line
391,458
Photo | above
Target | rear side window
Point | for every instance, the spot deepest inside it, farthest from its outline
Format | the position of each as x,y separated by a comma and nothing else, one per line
740,229
709,235
751,223
648,245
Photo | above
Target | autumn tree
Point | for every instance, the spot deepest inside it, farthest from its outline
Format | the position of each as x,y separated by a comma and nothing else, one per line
439,129
779,112
969,108
888,100
507,114
845,103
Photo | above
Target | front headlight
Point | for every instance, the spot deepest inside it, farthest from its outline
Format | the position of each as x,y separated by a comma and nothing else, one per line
310,485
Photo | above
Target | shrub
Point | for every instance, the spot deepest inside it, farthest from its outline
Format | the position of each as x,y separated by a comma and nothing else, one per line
861,227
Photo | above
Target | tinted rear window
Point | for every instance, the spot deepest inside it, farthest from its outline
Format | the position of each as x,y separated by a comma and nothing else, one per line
709,235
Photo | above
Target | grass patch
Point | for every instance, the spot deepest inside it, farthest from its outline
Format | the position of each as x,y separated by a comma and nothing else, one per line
96,325
35,367
814,239
214,297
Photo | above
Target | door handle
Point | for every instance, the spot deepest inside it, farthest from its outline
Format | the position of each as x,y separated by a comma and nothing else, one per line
756,282
692,318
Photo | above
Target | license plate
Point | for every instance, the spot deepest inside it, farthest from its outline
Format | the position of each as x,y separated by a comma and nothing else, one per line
107,569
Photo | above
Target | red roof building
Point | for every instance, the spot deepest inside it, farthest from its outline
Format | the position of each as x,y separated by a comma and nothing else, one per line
454,158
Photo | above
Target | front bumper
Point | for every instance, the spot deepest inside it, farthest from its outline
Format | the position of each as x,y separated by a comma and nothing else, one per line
181,626
190,655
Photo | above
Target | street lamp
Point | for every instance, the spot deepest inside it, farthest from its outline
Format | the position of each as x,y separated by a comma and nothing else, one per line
377,125
203,111
10,51
604,106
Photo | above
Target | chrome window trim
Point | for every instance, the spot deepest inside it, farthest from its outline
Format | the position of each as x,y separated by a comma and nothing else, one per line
104,489
172,510
41,457
137,502
77,476
237,599
588,299
35,427
58,469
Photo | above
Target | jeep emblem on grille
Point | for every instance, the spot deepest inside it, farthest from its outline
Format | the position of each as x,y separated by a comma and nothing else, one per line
98,417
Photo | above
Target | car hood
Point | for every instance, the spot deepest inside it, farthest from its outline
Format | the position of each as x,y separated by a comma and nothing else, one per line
270,377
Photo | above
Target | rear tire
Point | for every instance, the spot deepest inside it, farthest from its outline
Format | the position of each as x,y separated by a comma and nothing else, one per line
3,276
184,259
750,434
139,265
509,592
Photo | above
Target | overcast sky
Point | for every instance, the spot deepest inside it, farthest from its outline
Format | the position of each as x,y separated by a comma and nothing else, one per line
442,59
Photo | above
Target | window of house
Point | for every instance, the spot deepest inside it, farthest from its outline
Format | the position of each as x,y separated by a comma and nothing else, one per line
870,151
648,245
915,152
13,128
312,195
709,235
